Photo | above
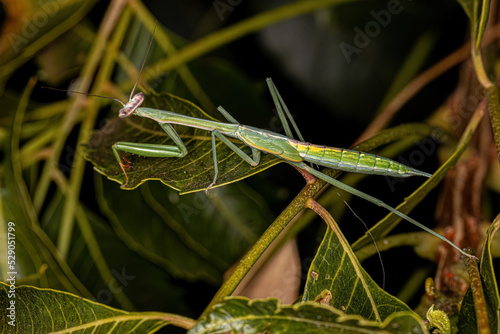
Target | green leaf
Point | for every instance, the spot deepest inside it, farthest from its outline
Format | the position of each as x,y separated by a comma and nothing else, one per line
36,257
242,315
46,310
337,271
191,173
485,12
478,22
183,234
31,25
468,7
115,274
467,319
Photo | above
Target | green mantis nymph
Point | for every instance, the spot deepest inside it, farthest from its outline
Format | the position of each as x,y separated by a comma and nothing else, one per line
295,152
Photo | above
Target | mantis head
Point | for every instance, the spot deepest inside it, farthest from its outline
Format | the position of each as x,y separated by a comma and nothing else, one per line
131,106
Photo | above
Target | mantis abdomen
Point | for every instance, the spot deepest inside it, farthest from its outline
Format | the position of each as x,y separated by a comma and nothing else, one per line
338,158
353,161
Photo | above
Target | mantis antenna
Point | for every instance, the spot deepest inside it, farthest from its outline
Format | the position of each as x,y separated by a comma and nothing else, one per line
144,61
86,94
134,101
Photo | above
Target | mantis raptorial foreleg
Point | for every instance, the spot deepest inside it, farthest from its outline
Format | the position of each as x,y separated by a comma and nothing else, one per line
151,150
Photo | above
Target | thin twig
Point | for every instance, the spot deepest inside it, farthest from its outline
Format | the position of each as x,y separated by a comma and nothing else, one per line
408,92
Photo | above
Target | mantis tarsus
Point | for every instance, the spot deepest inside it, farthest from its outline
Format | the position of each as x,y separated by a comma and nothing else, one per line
293,151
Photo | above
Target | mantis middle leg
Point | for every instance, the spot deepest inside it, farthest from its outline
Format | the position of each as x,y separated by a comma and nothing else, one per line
253,161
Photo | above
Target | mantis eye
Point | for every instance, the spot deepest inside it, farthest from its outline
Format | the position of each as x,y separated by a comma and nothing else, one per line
125,111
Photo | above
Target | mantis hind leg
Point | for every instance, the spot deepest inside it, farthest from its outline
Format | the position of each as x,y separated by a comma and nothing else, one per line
374,200
283,111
